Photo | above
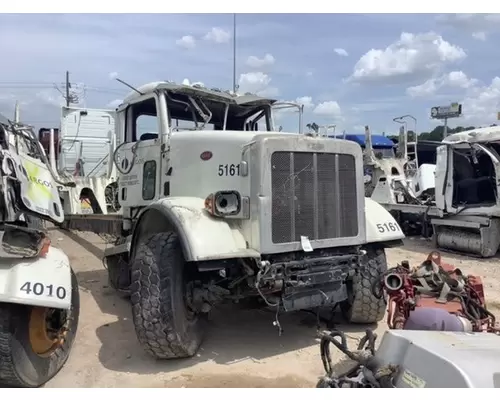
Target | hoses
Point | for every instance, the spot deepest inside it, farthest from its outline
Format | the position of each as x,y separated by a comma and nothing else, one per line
127,166
362,360
364,373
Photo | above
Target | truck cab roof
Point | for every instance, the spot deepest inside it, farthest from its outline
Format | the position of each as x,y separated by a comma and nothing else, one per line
478,135
215,102
199,91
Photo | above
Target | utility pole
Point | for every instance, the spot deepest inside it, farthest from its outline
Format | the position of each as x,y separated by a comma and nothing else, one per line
16,113
68,85
234,53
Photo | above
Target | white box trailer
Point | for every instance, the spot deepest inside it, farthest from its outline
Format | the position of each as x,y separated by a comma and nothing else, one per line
85,145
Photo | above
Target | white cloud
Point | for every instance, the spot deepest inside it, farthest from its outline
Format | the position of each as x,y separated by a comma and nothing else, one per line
257,83
256,62
482,103
218,35
427,88
478,25
253,82
328,109
454,79
113,75
411,56
341,52
459,80
306,101
186,42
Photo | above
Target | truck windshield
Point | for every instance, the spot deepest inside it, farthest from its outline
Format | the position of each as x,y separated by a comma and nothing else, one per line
196,112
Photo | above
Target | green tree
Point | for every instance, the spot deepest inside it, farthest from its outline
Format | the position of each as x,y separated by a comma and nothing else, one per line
437,133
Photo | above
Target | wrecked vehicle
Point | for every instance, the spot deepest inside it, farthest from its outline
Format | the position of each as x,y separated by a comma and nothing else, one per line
39,297
81,150
218,206
464,213
467,181
395,180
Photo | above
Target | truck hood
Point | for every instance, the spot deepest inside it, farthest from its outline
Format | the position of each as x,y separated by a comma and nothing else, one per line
213,138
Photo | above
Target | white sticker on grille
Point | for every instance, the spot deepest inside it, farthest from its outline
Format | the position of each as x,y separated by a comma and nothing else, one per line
306,244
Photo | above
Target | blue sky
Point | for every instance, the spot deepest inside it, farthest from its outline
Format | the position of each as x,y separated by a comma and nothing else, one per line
347,69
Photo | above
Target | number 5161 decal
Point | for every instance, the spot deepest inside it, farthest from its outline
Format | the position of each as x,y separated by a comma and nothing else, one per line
229,170
39,289
388,227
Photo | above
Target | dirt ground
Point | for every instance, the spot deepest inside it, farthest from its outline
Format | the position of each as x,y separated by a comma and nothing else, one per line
242,347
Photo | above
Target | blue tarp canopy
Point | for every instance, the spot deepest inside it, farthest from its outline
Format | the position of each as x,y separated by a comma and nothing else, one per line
378,141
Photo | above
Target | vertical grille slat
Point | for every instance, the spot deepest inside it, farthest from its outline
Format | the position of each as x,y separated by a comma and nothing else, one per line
314,195
303,176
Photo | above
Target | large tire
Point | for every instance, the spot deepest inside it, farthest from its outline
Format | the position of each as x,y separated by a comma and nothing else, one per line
20,365
363,307
163,324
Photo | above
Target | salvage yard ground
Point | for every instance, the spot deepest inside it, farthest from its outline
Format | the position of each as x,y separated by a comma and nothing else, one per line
242,348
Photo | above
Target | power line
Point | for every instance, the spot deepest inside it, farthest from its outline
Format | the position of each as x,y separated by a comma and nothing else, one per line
50,85
82,87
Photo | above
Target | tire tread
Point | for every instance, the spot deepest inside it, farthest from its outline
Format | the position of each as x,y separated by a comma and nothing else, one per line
153,305
366,308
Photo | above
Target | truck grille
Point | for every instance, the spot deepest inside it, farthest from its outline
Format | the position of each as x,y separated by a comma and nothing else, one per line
313,195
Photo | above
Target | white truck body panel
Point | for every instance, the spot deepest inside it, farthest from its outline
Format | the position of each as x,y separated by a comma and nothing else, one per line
88,135
89,131
46,280
425,178
204,235
380,224
183,179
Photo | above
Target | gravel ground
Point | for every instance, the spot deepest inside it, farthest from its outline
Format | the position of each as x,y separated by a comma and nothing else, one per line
242,347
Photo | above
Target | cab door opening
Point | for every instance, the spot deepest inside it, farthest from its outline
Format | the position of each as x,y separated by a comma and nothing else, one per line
474,178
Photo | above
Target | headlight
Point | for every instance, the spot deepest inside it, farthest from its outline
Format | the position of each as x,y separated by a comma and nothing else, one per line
223,204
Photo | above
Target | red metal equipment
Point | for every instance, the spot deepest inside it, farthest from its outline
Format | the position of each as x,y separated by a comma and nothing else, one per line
435,285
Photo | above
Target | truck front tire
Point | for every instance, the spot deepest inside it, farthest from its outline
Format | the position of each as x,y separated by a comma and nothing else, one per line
164,324
362,306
